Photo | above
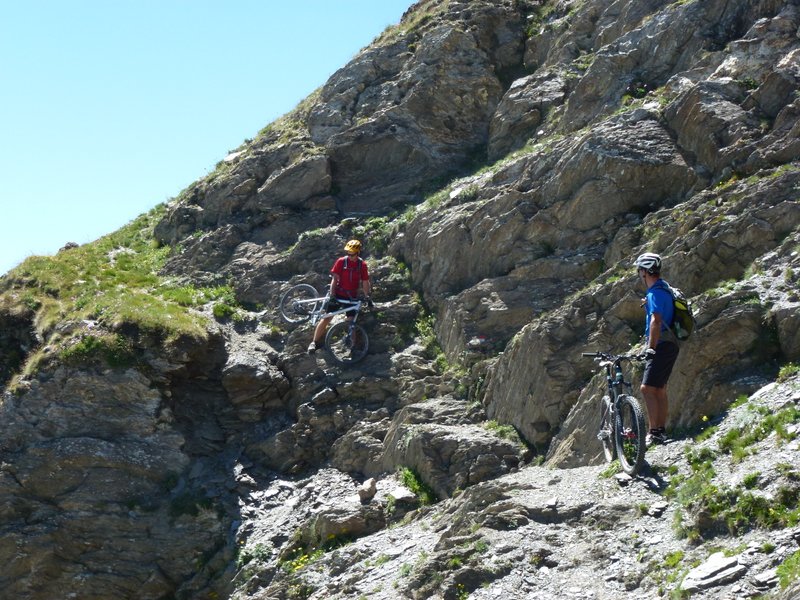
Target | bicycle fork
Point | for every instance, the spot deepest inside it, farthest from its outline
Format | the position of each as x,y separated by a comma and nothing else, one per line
608,414
350,340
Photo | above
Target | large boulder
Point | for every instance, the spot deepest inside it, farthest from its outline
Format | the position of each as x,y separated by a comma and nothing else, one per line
441,442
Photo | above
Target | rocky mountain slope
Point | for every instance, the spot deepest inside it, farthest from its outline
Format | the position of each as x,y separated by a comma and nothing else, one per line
165,435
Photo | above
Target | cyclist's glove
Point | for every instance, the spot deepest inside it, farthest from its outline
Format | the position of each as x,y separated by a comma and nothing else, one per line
649,354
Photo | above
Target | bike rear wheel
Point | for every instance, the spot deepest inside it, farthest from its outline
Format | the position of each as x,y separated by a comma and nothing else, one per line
297,303
629,434
346,345
606,432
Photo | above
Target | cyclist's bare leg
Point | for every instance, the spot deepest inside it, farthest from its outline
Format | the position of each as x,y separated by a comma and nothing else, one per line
657,405
319,331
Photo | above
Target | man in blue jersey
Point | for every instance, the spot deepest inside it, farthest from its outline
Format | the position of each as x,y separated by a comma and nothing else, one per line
661,348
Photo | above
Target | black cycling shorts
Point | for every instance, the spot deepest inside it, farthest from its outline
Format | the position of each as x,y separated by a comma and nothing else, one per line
658,369
335,304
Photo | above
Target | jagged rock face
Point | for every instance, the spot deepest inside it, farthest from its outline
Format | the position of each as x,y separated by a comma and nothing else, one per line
534,384
87,458
609,129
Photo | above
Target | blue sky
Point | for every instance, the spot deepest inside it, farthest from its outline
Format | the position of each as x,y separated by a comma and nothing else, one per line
110,107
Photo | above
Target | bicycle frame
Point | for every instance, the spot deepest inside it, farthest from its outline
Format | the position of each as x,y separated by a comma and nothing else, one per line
622,420
345,340
353,306
615,382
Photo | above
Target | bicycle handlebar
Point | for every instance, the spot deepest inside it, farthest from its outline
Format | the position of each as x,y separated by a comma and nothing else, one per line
612,357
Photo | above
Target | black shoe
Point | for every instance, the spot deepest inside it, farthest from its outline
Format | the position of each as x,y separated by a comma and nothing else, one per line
656,437
312,347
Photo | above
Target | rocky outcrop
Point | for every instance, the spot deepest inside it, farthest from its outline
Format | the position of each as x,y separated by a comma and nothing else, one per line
544,532
502,162
91,472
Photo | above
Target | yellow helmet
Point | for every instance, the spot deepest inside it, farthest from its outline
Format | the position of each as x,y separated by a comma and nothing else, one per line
353,246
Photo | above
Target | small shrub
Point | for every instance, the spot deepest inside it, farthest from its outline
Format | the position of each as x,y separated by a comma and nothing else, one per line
414,483
260,552
751,480
612,469
222,310
506,432
740,401
427,335
115,350
673,559
788,371
376,234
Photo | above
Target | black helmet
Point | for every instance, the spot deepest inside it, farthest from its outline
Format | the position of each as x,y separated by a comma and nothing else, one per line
649,262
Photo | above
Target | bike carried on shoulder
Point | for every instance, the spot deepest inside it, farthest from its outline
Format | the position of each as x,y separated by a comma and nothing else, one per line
622,425
346,340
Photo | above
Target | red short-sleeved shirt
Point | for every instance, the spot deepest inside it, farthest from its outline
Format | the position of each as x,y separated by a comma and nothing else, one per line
350,275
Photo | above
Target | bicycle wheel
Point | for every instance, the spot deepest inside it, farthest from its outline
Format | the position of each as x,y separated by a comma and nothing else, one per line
346,345
606,432
629,434
298,303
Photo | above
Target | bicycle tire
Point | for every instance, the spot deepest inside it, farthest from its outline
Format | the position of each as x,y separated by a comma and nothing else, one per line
629,434
294,306
339,343
606,432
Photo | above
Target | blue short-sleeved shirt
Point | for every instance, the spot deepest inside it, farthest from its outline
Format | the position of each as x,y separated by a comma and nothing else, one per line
658,300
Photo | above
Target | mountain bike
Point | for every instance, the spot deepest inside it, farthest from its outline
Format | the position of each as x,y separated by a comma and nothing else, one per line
346,340
622,426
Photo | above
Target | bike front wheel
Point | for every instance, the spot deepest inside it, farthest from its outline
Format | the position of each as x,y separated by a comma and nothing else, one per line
347,342
298,302
629,434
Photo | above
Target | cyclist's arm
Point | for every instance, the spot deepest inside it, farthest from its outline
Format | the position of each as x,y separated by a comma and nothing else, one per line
655,330
334,283
366,287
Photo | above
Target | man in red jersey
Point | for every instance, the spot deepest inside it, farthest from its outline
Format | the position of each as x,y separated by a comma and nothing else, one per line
349,276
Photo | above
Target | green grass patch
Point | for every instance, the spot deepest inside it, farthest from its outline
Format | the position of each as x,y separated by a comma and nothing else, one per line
113,349
113,280
506,432
375,233
789,570
424,327
413,482
738,441
708,509
259,552
612,469
788,371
